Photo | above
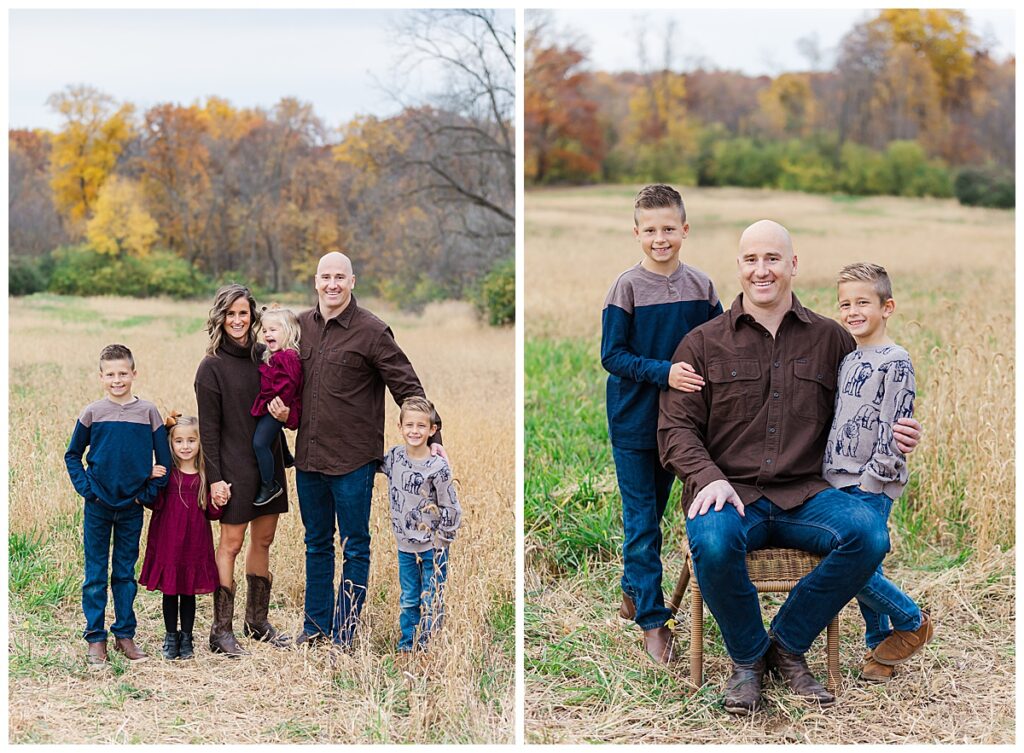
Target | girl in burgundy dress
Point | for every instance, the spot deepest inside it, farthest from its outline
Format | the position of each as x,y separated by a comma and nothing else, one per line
179,550
280,376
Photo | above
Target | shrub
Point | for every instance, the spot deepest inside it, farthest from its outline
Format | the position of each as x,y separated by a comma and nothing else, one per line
906,171
27,274
80,270
985,187
496,299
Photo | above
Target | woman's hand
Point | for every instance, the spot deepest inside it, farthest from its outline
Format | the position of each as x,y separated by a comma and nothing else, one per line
220,493
279,410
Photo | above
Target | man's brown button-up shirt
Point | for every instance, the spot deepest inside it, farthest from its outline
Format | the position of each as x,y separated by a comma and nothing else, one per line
347,361
761,420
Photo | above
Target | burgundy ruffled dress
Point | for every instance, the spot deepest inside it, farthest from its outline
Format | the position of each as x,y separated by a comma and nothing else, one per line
179,548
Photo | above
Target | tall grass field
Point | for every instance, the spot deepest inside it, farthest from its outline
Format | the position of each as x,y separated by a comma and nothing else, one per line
461,690
587,676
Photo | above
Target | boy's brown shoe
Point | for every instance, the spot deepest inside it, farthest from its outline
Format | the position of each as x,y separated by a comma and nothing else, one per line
660,644
627,609
131,652
903,644
97,654
872,671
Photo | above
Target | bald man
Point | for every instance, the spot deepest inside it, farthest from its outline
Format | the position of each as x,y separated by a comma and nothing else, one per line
348,357
749,448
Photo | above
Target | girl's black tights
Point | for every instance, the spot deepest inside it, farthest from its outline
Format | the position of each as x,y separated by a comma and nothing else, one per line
188,612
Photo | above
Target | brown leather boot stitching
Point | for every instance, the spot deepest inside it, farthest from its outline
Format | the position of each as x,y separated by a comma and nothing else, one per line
222,636
257,607
743,688
792,668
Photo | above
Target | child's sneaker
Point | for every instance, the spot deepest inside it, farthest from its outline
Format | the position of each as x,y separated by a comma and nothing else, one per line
268,492
172,646
903,644
872,671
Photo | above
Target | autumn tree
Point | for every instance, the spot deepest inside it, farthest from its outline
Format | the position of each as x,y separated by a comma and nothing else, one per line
33,227
563,138
120,224
85,151
789,107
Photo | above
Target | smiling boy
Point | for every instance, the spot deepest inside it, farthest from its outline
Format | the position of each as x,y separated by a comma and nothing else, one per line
876,389
122,434
648,310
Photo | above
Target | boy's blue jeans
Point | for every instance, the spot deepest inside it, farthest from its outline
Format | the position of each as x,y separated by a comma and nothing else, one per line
644,487
324,499
422,576
99,523
880,600
851,536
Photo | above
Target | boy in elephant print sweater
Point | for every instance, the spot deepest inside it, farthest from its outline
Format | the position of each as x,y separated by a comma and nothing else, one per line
425,514
876,388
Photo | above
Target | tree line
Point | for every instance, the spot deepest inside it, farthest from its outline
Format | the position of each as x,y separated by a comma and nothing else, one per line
915,104
423,201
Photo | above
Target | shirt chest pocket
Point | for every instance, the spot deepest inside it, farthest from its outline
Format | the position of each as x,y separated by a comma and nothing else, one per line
735,389
814,389
346,371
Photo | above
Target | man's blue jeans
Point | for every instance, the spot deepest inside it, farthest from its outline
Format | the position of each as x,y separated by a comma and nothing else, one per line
324,499
881,600
422,576
644,486
851,536
99,522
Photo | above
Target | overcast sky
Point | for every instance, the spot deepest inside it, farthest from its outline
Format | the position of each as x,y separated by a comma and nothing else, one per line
251,57
752,41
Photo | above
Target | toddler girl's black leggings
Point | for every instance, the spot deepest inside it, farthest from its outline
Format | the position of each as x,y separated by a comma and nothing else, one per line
188,612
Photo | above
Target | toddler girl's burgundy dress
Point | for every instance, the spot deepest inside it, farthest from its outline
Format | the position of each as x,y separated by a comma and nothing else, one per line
179,548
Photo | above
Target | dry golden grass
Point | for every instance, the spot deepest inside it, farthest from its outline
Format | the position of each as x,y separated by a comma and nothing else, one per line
952,269
461,691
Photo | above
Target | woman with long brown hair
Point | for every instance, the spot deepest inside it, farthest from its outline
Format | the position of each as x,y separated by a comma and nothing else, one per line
227,383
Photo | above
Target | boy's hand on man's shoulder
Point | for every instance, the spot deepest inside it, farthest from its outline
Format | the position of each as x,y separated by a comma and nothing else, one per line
684,378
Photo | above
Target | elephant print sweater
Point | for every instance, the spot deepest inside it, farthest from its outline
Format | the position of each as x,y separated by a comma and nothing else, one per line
876,388
425,512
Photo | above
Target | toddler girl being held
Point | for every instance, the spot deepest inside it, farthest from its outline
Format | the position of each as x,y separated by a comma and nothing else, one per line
280,376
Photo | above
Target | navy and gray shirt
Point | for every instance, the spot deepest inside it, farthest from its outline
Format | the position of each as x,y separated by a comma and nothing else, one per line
645,317
122,440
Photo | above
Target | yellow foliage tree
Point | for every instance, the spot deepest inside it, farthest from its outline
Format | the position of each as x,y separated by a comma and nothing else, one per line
789,105
86,150
121,223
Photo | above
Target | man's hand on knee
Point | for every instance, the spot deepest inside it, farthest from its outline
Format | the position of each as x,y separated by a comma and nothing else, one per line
717,493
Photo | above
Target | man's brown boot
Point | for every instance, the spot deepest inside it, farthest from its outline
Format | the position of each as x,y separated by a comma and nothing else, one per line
257,605
131,652
872,671
627,609
97,654
660,644
222,635
793,669
903,644
743,688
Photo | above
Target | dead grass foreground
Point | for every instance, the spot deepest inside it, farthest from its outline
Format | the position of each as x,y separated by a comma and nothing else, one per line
462,691
591,682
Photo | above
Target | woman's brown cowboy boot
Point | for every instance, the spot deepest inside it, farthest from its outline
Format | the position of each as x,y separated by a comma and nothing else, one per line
222,635
257,606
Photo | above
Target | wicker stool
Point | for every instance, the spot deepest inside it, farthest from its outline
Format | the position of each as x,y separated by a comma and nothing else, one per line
771,571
